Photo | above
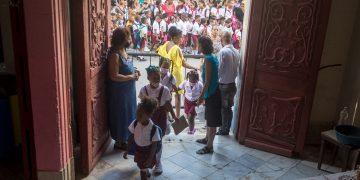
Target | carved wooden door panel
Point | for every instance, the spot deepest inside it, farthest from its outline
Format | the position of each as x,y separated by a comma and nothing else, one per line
285,44
90,41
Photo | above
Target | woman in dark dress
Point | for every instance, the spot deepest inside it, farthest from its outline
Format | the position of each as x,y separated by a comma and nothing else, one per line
121,88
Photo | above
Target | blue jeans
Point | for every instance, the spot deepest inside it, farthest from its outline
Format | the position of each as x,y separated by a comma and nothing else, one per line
228,92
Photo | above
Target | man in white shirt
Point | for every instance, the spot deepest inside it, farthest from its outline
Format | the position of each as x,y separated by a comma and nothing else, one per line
229,61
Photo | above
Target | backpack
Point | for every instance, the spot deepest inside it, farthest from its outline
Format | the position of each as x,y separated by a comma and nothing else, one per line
138,35
152,133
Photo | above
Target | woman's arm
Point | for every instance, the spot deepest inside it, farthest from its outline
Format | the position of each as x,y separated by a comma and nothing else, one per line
114,66
186,65
207,80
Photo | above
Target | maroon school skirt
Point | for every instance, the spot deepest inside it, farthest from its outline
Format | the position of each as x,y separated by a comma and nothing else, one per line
189,106
141,156
194,40
160,118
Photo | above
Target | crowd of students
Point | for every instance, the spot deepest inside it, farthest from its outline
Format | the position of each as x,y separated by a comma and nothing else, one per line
149,22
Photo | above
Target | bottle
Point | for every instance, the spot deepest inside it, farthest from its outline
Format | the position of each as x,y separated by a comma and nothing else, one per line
344,115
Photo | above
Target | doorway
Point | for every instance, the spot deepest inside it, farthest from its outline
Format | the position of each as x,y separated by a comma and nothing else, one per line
17,151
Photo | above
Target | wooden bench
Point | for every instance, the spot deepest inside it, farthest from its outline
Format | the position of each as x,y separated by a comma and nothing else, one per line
330,137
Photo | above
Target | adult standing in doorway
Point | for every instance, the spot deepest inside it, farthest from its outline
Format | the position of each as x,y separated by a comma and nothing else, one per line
121,88
210,93
229,59
172,51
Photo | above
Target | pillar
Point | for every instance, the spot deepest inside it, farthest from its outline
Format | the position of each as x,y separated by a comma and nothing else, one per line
48,48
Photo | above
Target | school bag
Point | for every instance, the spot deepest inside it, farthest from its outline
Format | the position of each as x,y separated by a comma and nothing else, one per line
152,133
138,35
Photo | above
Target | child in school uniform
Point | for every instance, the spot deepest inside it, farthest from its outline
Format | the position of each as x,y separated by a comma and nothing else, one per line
237,37
227,27
172,22
189,27
193,88
156,30
181,24
143,28
156,90
163,27
203,28
145,135
196,32
166,78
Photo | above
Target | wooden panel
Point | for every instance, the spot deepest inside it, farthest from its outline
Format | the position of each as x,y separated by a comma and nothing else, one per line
91,31
284,52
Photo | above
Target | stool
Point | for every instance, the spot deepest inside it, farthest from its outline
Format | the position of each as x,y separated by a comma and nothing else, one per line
330,137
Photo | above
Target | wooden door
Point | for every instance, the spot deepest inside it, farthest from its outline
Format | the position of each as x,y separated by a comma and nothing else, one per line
284,47
90,40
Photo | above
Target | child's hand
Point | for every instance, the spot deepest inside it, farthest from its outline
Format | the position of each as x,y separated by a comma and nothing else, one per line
176,119
200,101
125,155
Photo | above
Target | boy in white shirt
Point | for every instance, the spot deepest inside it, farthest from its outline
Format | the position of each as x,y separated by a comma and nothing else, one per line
193,88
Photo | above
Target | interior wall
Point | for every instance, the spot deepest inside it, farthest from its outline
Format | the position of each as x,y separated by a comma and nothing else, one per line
350,92
336,51
6,37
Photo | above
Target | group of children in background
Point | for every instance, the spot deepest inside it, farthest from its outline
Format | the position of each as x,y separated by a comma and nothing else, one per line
150,22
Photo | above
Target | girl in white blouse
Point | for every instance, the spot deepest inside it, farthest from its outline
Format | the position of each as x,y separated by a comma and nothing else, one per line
193,88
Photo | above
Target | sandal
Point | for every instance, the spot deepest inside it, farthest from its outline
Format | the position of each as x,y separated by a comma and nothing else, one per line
192,131
205,150
202,141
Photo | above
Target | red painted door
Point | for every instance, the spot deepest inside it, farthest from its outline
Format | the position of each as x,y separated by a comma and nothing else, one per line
90,43
284,47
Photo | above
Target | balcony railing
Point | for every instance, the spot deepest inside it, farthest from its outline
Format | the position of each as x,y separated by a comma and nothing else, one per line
151,55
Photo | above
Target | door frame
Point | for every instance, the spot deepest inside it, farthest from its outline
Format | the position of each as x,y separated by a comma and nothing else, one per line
23,87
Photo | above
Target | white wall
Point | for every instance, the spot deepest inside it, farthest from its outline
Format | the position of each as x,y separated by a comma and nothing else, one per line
336,51
350,92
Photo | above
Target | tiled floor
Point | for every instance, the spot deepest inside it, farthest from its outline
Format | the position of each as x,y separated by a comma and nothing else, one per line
229,161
